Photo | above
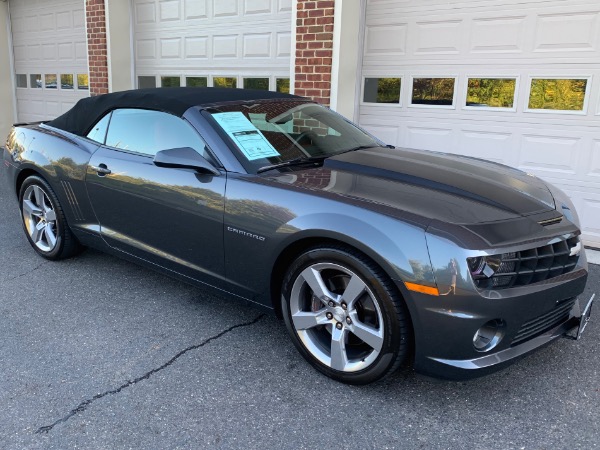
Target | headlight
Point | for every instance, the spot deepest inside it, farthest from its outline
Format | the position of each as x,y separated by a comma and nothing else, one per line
496,271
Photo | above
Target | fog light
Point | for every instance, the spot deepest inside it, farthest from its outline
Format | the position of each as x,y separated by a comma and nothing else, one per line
489,335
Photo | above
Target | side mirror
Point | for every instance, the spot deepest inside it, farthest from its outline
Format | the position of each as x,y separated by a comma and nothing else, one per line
184,158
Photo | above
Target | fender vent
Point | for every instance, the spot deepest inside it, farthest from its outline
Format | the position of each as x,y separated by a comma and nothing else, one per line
72,199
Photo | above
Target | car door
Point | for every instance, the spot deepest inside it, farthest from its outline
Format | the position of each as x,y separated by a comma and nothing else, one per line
172,217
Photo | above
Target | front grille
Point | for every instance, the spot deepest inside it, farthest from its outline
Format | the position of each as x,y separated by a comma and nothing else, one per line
528,266
544,322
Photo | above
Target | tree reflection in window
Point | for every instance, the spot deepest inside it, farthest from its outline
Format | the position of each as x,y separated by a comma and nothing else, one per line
491,92
558,94
433,91
256,83
196,81
66,81
382,90
225,82
170,81
83,81
283,85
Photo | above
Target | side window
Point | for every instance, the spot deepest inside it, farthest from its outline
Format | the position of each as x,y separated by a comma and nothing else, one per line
98,132
148,132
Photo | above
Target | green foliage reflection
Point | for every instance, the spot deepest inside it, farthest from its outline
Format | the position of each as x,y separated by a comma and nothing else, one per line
562,95
283,85
196,81
225,82
382,90
433,91
170,81
491,92
256,83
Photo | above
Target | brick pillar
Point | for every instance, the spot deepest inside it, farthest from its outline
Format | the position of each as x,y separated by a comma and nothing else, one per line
96,44
314,44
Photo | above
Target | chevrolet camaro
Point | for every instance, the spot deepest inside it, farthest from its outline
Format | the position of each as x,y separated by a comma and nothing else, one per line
373,256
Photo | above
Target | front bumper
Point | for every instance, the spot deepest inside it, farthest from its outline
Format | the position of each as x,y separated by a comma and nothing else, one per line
444,326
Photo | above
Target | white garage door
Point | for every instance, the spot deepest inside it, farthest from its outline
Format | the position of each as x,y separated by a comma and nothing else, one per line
512,81
229,43
50,56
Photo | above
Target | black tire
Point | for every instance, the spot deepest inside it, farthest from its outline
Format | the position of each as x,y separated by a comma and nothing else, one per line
379,308
63,243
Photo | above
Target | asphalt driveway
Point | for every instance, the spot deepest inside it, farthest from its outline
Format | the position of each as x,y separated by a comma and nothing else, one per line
96,352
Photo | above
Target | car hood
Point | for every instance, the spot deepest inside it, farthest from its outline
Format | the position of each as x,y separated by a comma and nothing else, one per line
450,188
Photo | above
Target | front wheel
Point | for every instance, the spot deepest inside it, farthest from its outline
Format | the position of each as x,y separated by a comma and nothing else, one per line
344,315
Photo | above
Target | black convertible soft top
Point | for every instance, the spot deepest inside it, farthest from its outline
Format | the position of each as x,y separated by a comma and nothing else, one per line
87,111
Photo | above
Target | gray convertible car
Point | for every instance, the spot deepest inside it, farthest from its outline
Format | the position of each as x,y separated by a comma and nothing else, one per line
374,256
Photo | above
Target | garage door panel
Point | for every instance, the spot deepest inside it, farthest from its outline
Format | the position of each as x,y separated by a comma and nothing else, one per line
541,153
562,32
497,35
48,39
232,38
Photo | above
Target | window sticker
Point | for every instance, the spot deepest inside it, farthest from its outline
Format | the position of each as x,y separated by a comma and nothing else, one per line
247,137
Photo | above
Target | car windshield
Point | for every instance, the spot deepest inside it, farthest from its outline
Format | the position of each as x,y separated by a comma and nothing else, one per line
272,132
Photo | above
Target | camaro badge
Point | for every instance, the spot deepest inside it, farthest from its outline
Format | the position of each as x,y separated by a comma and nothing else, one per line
246,233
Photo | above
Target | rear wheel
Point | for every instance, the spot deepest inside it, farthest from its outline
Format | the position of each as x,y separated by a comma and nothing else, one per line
44,222
344,315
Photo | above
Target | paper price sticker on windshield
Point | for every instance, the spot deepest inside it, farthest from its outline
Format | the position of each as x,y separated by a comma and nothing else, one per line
247,137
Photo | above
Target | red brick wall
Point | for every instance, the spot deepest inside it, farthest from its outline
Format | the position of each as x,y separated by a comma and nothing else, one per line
314,43
96,42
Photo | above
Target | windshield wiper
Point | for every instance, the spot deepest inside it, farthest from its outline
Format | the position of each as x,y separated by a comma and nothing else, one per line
294,162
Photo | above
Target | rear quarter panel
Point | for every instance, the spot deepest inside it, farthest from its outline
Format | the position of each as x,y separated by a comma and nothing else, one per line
59,158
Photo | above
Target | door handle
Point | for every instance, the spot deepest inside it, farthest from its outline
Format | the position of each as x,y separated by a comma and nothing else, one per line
101,169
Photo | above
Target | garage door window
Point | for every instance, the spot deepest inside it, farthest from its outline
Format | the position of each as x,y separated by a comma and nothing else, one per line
283,85
491,92
225,82
170,81
436,92
558,94
145,82
256,83
21,80
196,81
66,81
382,90
35,80
83,81
50,81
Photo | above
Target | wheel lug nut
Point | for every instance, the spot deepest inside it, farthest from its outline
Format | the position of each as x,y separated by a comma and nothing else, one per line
339,325
348,320
344,306
329,316
331,304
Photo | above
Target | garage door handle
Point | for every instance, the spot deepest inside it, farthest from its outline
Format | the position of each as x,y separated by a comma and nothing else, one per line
101,169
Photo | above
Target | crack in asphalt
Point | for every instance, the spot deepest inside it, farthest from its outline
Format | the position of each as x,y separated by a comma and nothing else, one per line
86,403
25,273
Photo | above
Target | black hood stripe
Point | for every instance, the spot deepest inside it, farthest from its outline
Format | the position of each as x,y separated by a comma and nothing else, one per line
345,166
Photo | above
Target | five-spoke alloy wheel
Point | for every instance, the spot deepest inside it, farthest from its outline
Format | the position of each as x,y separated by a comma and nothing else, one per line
344,315
44,221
